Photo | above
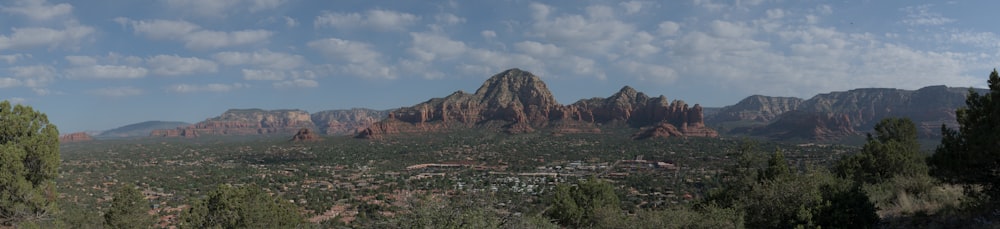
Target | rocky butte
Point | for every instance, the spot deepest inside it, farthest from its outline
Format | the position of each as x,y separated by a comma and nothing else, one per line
305,135
517,101
75,137
244,122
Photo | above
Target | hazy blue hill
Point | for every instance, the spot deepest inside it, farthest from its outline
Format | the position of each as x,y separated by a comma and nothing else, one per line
141,129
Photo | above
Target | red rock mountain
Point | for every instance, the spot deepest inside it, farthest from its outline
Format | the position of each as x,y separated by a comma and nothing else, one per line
75,137
346,122
517,101
244,122
836,114
305,135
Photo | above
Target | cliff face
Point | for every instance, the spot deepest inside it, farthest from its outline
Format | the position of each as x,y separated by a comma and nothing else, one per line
757,108
344,122
517,101
244,122
831,115
75,137
808,125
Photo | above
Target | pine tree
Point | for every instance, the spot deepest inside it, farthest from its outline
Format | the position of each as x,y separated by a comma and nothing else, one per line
128,209
971,155
29,163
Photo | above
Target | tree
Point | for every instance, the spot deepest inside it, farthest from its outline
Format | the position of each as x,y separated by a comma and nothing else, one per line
772,195
577,205
892,151
29,163
971,155
241,207
777,167
128,209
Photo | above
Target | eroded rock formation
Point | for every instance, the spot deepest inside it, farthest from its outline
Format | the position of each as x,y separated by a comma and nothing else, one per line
75,137
517,101
305,135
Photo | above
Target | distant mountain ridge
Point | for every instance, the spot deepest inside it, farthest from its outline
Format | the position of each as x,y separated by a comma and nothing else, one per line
283,121
837,114
141,129
517,101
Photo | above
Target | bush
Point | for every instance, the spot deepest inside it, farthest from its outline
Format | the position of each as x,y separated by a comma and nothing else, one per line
241,207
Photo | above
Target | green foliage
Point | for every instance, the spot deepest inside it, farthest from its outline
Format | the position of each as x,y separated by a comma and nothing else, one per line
777,167
29,163
892,151
972,154
241,207
433,213
128,209
773,196
577,205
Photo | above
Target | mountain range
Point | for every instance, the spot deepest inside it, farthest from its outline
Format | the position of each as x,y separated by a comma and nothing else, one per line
516,101
837,114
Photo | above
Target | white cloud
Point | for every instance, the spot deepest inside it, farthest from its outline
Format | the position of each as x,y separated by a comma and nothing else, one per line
106,72
161,29
117,91
730,29
35,76
38,9
81,60
632,7
10,59
173,65
595,34
216,8
69,37
649,72
291,22
537,49
207,39
922,16
539,11
669,28
978,39
7,82
428,46
377,19
264,58
214,87
488,34
258,74
359,58
296,83
449,19
195,37
346,50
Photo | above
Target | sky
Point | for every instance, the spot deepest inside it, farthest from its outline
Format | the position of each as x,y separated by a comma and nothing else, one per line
97,65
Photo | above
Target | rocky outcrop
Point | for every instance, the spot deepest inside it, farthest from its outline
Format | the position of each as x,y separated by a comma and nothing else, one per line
185,132
662,130
346,122
75,137
244,122
807,126
305,135
832,115
517,101
756,108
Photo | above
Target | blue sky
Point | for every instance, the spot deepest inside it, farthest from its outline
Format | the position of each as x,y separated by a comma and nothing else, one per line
100,64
